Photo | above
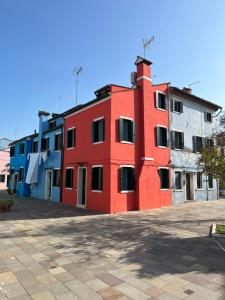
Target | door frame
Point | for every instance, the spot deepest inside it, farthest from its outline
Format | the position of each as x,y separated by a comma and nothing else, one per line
191,186
78,187
51,183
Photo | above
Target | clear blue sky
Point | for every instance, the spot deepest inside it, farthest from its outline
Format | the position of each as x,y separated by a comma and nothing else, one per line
41,41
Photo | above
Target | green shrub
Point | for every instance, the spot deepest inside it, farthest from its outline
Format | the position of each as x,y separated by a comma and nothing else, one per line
6,204
220,229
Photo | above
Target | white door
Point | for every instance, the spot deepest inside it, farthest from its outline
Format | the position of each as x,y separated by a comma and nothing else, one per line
81,186
48,185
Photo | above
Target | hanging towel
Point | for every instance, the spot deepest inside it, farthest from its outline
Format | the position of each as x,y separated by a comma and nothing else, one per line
32,173
44,155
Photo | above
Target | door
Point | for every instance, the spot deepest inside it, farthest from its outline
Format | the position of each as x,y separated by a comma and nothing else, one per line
48,185
14,181
189,186
82,183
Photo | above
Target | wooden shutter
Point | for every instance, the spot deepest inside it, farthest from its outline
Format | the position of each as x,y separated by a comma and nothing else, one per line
133,178
133,132
205,116
121,129
194,143
100,178
181,107
102,129
182,140
172,136
158,136
172,105
156,99
122,179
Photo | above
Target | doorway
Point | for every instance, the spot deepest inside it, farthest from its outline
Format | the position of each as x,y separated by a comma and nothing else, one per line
14,180
81,186
48,185
189,186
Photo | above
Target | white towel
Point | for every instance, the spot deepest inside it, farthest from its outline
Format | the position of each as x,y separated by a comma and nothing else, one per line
32,173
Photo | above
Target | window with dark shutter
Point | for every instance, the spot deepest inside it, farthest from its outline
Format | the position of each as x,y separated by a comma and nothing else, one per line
164,178
21,174
98,131
69,178
198,144
127,179
71,138
199,180
45,144
161,101
126,130
58,142
178,180
208,117
56,178
178,106
34,147
209,143
177,140
97,178
210,181
52,124
2,178
21,148
12,151
161,136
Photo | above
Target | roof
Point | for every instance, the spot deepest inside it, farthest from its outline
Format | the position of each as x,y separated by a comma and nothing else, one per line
142,60
194,98
23,138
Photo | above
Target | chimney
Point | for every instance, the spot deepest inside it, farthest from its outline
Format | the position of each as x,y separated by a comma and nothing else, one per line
143,68
187,90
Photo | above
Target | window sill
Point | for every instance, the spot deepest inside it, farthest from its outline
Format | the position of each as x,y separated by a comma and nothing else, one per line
126,142
177,149
125,192
81,205
199,189
68,188
57,150
163,147
70,148
96,143
56,186
208,122
164,189
96,191
178,190
211,189
177,112
162,109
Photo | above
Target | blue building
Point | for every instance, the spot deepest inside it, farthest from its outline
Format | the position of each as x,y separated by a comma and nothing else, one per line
19,151
47,149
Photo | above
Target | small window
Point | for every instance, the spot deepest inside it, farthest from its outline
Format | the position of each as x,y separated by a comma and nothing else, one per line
58,142
12,151
208,117
21,148
71,138
21,174
178,106
177,140
45,144
197,144
161,100
199,180
209,143
2,178
126,130
34,146
11,171
164,179
210,181
69,178
161,136
52,124
97,177
127,179
178,180
56,178
98,131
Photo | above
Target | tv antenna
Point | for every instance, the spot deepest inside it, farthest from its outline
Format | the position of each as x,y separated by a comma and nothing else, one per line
195,82
60,102
146,43
77,72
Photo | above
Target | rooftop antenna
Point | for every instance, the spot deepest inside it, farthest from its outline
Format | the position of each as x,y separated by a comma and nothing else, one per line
146,43
195,82
76,72
60,102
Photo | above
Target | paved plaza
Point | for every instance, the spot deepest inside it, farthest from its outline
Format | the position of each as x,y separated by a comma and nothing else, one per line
49,251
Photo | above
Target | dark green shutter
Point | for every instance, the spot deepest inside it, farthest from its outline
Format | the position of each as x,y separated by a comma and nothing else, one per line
194,143
133,178
100,178
122,179
205,116
172,105
182,140
172,135
102,130
74,137
156,100
133,132
121,130
158,136
92,132
181,107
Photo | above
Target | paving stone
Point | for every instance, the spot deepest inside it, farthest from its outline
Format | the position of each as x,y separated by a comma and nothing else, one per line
110,293
96,284
56,271
154,291
131,292
56,288
68,296
110,279
7,277
26,278
81,290
46,278
43,296
14,290
64,277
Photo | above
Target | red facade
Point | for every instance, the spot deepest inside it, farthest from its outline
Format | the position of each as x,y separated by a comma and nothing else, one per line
137,104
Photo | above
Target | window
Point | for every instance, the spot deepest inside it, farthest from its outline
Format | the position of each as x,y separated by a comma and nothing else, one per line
199,180
56,177
98,131
208,117
178,180
51,124
21,148
197,144
45,144
126,130
177,106
2,177
210,181
161,100
35,146
209,143
177,140
69,178
161,136
12,151
21,174
97,177
58,142
127,179
71,138
164,178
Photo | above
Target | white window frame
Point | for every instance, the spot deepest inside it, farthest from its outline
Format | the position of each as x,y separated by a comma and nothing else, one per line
157,92
202,189
22,167
19,149
54,186
127,166
208,112
57,133
96,166
177,131
95,120
174,111
130,119
174,180
169,177
67,137
163,126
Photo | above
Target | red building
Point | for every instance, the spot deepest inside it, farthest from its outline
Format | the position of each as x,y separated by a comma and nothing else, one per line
116,154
